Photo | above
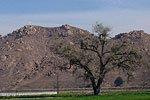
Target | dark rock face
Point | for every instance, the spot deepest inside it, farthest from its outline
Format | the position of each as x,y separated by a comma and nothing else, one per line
24,53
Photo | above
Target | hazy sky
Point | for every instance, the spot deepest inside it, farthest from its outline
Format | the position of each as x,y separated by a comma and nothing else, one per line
120,15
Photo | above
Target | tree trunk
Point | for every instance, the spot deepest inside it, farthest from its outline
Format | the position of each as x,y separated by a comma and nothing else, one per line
96,88
96,91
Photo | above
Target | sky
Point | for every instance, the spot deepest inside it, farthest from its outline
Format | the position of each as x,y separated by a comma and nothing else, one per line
121,15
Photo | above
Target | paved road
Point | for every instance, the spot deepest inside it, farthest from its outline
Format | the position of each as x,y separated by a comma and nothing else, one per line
39,92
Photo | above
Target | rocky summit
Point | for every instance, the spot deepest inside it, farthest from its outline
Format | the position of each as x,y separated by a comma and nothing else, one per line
27,62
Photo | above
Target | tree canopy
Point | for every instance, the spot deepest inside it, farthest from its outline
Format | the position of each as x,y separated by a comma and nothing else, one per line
96,54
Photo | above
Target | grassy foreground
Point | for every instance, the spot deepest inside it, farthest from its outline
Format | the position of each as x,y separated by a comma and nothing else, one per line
138,95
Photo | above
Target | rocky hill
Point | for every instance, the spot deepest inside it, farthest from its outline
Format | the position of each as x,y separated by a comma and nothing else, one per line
24,53
27,62
140,38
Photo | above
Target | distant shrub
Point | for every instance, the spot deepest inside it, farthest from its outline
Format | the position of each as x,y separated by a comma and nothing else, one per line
118,81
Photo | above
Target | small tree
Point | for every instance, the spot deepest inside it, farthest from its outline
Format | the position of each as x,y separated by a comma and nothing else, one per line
118,81
96,55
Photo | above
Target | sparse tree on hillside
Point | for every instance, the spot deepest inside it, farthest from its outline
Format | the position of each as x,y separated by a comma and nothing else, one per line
118,81
96,55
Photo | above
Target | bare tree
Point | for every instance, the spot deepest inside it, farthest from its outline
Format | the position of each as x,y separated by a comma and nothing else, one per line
96,55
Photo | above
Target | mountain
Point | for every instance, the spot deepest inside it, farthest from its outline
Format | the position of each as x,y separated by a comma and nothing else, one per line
140,38
23,54
27,62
